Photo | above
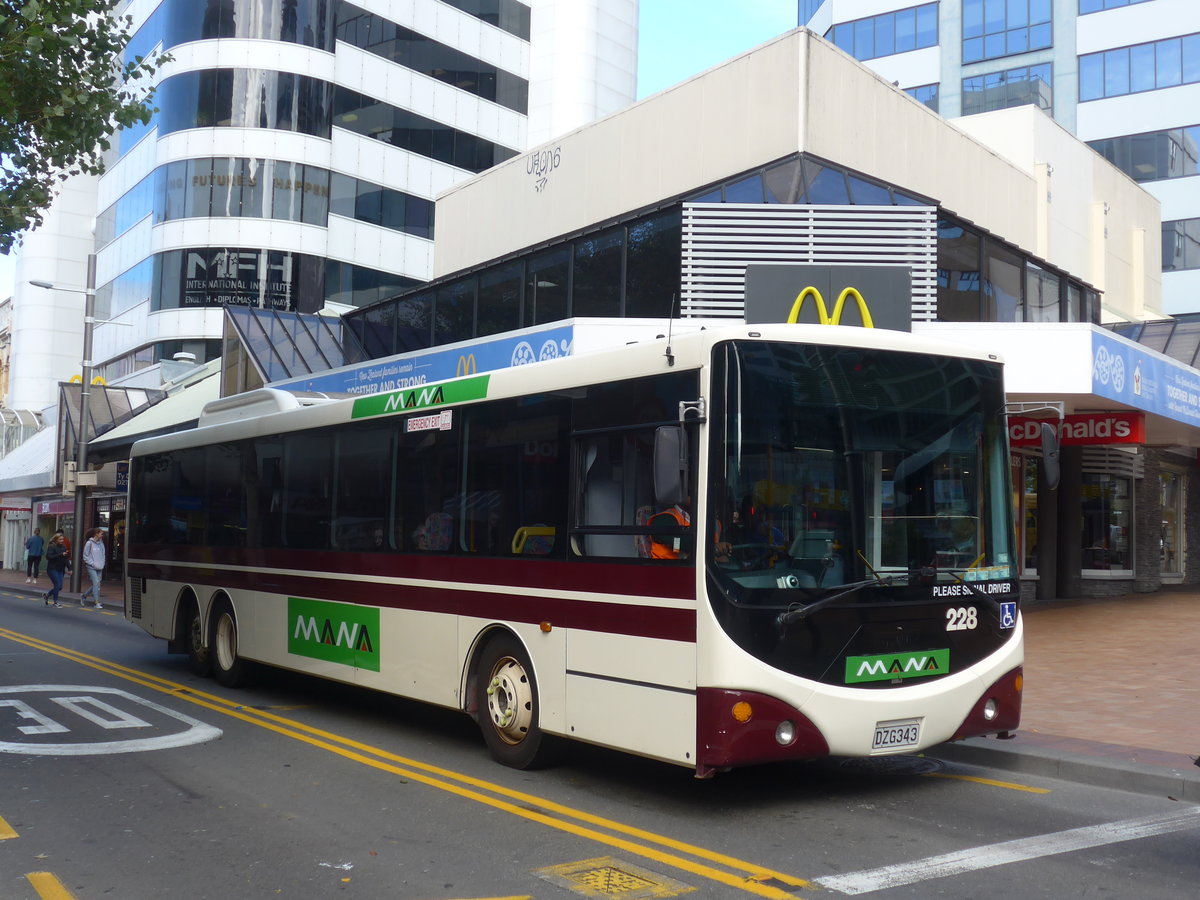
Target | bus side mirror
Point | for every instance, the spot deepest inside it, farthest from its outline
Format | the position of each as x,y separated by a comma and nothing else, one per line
1050,461
670,465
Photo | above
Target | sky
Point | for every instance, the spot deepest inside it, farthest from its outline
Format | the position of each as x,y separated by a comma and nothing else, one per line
677,39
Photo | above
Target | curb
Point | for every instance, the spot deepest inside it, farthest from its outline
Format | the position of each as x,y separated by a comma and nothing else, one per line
1121,775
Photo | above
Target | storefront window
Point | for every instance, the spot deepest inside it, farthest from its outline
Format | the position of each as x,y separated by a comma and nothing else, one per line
1170,541
1107,521
1028,518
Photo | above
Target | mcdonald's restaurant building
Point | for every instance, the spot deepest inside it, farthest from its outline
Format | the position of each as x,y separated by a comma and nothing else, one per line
794,160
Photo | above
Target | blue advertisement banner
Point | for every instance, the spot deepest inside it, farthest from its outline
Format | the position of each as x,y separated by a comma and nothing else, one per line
1126,372
425,366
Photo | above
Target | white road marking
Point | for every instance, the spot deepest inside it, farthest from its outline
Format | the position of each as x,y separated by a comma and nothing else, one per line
73,698
975,858
45,725
116,718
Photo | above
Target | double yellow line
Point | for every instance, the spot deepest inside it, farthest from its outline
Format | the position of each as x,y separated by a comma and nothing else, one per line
696,861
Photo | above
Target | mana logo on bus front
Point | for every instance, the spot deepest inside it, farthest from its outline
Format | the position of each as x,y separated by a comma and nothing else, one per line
896,666
335,632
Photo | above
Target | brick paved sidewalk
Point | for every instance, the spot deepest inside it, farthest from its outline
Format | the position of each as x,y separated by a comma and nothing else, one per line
1116,678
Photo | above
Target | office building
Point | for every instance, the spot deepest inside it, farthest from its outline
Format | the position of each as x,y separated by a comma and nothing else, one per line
292,165
294,160
1121,75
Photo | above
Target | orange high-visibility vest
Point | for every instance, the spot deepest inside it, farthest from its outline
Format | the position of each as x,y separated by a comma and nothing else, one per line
659,550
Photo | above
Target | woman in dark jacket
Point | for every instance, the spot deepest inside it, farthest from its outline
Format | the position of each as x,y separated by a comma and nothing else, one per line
58,561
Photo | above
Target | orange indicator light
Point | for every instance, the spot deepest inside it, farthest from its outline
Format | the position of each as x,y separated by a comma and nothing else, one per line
742,711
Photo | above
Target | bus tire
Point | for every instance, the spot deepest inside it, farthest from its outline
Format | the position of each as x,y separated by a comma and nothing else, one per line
228,668
199,658
507,701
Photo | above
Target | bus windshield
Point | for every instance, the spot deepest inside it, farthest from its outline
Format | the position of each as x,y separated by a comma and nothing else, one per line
836,466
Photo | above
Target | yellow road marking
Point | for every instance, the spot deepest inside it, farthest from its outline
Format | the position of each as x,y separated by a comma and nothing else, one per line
6,830
747,876
49,887
1000,784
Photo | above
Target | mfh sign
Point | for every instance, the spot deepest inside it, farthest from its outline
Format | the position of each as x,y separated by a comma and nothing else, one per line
1082,428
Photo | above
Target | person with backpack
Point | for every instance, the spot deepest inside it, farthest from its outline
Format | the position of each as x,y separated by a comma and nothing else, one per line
34,545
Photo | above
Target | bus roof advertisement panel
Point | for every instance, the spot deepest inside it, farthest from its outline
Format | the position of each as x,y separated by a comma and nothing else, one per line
437,364
423,397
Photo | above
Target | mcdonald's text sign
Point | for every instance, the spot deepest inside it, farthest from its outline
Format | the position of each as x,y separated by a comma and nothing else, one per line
1081,429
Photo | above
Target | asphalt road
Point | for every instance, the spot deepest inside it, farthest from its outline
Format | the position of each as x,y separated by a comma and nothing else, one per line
122,775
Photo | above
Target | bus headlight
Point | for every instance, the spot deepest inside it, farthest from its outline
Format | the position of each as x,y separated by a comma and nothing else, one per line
990,709
785,733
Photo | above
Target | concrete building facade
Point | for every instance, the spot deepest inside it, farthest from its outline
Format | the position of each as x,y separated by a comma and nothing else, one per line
1018,237
1121,75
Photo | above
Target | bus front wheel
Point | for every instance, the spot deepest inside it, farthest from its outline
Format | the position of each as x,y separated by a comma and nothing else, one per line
228,668
508,705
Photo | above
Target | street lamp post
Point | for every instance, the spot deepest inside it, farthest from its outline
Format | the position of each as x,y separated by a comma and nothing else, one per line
85,390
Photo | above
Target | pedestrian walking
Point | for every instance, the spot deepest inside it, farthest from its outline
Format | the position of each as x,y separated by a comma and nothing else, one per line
34,545
94,560
58,561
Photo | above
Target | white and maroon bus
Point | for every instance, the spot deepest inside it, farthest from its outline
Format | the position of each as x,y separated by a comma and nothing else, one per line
839,576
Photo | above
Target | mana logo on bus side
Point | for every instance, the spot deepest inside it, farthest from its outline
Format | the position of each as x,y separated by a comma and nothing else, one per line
425,397
335,632
892,666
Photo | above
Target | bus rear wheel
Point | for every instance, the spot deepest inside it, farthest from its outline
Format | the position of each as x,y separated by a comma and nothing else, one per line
508,706
199,660
228,668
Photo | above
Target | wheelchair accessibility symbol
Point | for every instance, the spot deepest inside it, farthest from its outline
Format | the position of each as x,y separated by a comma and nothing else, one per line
1008,615
82,720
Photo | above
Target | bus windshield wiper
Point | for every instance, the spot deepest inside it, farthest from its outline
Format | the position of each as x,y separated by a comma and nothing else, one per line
798,613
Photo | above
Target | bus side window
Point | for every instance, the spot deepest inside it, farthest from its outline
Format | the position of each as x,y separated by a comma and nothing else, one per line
150,484
308,490
362,493
187,518
601,497
428,488
515,497
267,500
225,496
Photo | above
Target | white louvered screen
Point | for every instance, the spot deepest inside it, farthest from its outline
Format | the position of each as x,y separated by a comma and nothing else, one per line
721,239
1114,461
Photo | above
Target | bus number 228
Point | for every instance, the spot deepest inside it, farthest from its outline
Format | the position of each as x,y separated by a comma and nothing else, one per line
961,618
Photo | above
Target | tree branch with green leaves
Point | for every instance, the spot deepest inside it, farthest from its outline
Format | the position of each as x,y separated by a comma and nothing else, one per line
65,88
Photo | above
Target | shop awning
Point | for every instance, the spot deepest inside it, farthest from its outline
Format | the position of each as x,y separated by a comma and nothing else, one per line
30,466
1088,369
177,412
